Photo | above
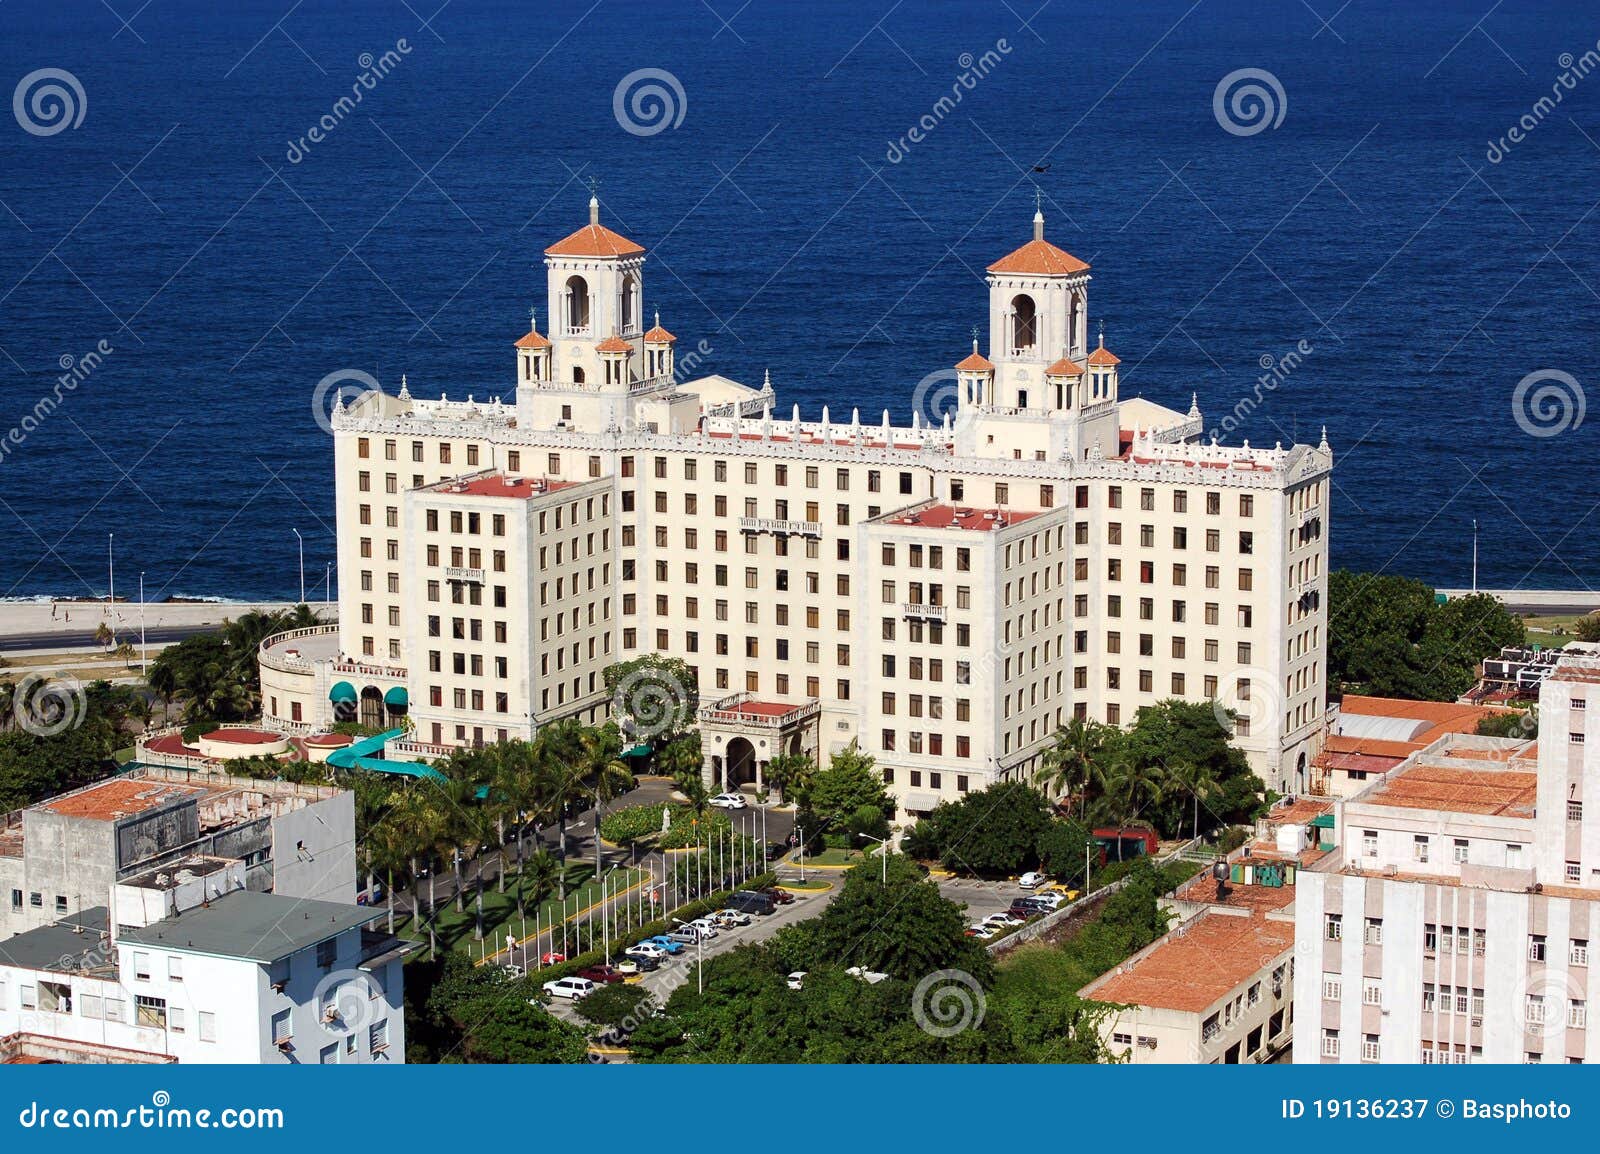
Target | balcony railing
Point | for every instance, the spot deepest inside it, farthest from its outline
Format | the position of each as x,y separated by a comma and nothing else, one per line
393,672
773,525
420,748
926,612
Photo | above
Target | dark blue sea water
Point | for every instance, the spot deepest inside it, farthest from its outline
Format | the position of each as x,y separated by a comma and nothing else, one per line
228,281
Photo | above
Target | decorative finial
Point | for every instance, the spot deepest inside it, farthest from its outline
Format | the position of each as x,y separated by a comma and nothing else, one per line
658,318
1038,213
594,200
766,381
533,320
1102,333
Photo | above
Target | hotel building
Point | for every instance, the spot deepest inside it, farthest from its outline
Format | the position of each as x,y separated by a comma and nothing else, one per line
1031,547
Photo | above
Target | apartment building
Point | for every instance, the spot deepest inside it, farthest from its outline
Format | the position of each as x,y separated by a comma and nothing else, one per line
1218,988
63,855
195,968
752,546
1453,921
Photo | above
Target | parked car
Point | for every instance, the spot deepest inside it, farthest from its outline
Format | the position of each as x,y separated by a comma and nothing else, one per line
729,801
1051,899
573,987
1019,910
750,902
780,896
797,979
652,950
1003,920
871,977
731,917
632,966
685,936
982,932
512,970
551,958
706,926
667,942
1032,880
602,974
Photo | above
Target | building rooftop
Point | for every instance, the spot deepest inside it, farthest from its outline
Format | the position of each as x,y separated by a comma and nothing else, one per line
1197,965
1039,258
961,517
594,240
1430,786
75,944
25,1049
498,484
252,926
118,797
172,874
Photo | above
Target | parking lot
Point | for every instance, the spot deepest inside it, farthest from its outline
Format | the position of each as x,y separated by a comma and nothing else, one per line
981,898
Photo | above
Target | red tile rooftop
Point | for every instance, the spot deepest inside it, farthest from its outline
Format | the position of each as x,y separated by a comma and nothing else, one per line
1193,969
500,485
172,745
118,798
1508,793
962,517
763,708
243,736
1300,811
328,740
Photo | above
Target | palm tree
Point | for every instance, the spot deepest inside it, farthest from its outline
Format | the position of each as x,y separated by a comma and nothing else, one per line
605,774
790,773
559,753
1069,763
517,791
542,875
1129,785
1200,782
693,787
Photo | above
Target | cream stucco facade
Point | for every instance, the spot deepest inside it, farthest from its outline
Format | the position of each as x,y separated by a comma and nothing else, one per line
1076,553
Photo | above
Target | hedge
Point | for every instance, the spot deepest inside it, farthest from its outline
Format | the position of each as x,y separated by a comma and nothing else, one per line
687,913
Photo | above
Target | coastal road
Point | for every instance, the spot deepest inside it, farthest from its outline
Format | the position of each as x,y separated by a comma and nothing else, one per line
165,635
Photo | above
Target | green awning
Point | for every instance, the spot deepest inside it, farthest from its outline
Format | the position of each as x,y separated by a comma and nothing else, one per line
1323,821
637,751
396,698
343,691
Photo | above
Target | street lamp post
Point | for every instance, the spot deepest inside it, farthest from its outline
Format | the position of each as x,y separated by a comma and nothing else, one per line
800,837
1087,847
699,952
301,541
883,853
144,653
327,585
111,584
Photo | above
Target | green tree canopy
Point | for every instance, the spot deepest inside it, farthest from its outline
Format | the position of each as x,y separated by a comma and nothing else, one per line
991,832
835,796
1389,637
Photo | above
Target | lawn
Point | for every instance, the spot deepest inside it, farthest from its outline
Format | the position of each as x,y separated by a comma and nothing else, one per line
454,929
836,857
1550,632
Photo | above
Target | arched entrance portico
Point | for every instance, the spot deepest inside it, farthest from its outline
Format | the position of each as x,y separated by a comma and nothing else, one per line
741,764
372,706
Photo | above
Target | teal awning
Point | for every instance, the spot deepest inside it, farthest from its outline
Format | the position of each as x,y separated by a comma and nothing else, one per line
637,751
343,691
396,697
1323,821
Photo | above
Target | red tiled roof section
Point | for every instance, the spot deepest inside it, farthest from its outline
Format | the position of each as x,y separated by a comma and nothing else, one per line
962,517
1064,368
118,798
500,485
594,240
1040,258
975,362
1509,794
763,708
1192,970
534,340
613,344
1103,357
659,336
243,736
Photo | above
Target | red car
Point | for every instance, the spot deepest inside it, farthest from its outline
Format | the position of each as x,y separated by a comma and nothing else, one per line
782,897
602,974
551,958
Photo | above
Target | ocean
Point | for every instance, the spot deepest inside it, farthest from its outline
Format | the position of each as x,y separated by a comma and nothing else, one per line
1391,232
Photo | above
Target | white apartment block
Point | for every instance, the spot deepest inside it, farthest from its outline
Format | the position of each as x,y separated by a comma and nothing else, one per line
1452,922
198,969
945,594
